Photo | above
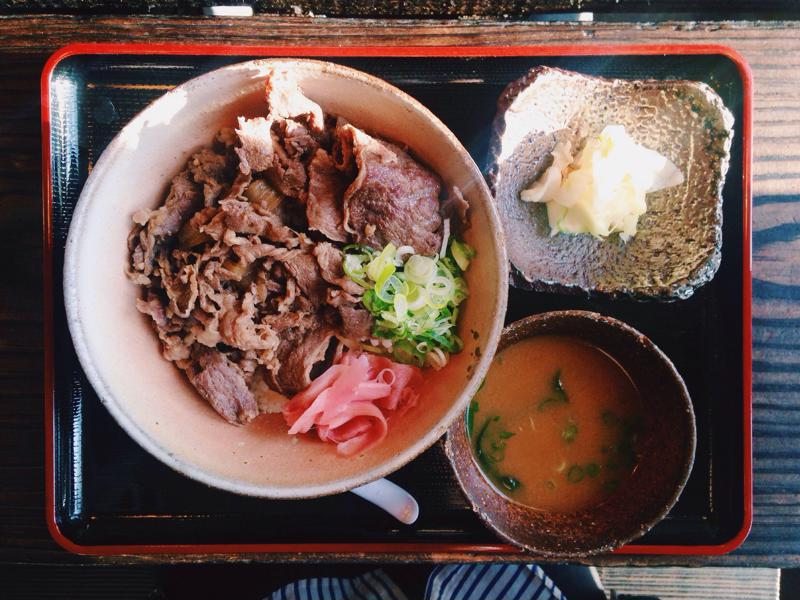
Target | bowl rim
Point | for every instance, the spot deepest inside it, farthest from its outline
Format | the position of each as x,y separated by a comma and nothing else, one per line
105,163
516,332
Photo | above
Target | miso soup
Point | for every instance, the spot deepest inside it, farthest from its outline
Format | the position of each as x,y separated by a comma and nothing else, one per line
556,423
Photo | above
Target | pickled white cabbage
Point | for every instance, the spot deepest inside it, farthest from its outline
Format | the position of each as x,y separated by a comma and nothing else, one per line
602,190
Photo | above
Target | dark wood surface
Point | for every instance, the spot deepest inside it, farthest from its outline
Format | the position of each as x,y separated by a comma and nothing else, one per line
501,9
773,51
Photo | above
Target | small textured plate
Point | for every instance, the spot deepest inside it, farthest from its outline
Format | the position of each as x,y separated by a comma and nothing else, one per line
679,241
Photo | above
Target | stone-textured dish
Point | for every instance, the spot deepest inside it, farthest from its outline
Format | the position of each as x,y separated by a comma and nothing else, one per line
120,354
678,245
666,449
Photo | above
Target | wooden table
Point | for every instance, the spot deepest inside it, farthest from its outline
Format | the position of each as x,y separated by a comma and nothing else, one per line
773,51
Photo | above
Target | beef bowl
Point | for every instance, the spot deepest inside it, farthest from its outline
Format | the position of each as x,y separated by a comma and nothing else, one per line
273,223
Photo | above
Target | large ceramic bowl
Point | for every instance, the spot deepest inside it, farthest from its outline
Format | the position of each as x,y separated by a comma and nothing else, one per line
148,396
665,450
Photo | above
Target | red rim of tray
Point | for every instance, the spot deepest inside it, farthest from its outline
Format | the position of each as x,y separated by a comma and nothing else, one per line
435,548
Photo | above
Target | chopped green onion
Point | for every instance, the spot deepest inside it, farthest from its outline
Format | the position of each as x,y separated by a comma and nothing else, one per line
570,433
413,298
402,252
492,435
400,306
558,394
376,266
470,419
420,269
575,474
445,237
403,351
462,254
509,483
354,266
417,297
387,288
609,418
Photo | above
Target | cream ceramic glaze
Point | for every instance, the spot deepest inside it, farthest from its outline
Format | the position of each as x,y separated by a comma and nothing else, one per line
120,353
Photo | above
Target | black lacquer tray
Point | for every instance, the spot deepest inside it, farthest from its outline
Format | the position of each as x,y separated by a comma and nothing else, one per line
107,495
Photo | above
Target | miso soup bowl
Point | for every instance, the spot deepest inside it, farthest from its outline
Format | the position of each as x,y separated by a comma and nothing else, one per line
120,353
666,449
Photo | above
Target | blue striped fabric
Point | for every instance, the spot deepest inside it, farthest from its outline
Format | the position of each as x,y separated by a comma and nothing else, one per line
375,585
491,582
446,582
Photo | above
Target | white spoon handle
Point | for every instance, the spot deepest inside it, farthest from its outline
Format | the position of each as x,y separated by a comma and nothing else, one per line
391,498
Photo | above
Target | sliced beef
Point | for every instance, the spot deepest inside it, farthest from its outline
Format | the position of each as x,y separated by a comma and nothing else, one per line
281,144
293,151
393,198
326,187
209,292
260,286
295,371
248,363
222,383
226,139
181,289
238,187
337,297
191,233
175,347
206,328
183,201
288,172
211,170
249,252
280,322
342,151
255,152
330,259
278,147
296,140
456,208
139,261
244,301
356,322
215,228
153,307
286,101
290,339
288,299
305,269
242,217
238,328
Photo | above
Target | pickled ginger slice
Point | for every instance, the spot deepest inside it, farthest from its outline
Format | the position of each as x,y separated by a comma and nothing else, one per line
602,190
351,403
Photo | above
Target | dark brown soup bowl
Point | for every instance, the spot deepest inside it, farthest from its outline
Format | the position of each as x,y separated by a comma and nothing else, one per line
666,449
